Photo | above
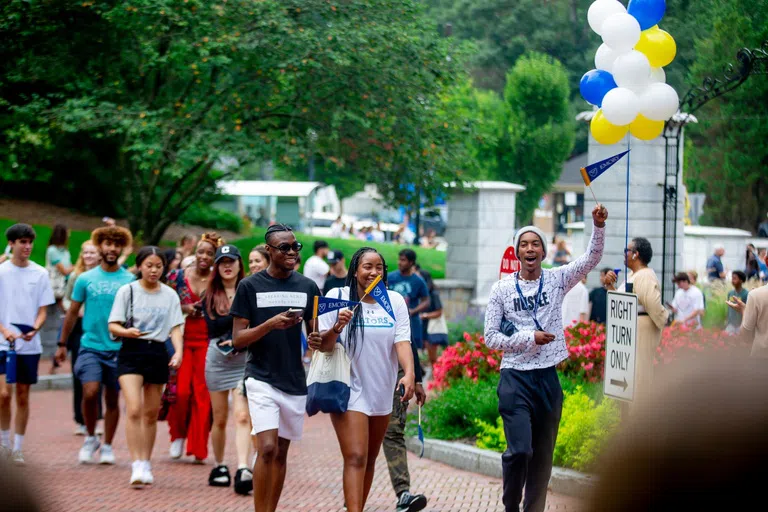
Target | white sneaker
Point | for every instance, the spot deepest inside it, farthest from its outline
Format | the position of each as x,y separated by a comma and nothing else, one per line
107,455
18,458
148,477
6,453
90,445
81,430
177,448
137,474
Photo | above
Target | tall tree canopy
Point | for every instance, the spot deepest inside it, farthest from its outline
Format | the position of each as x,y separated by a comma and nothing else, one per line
165,97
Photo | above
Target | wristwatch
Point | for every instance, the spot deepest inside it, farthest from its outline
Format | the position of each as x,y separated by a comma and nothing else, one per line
61,344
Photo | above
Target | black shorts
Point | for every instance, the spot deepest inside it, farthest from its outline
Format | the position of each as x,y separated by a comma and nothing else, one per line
146,358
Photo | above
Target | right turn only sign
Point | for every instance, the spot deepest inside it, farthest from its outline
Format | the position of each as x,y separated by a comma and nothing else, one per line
620,345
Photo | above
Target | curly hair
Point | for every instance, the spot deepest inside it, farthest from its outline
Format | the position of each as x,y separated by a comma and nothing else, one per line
116,234
212,238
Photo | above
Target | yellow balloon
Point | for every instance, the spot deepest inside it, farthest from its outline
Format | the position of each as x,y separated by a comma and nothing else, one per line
658,46
645,129
605,132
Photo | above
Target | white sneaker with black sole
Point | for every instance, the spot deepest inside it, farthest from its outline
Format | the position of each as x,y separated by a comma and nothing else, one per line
411,502
90,446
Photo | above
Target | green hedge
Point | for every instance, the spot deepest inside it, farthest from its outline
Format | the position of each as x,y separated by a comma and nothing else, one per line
429,259
468,410
212,218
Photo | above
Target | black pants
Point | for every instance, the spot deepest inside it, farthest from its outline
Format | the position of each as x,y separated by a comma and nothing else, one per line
73,344
530,404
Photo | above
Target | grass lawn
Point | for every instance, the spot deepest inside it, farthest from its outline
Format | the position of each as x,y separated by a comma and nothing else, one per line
429,259
76,239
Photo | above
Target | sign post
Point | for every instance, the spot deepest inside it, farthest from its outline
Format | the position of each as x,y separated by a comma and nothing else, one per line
509,263
620,346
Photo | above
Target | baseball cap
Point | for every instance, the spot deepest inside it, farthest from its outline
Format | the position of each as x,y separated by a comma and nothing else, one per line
226,251
335,256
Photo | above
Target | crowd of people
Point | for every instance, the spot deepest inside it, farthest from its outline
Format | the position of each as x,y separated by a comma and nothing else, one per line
184,335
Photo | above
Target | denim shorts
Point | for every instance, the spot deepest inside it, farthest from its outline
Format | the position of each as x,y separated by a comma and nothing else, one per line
97,366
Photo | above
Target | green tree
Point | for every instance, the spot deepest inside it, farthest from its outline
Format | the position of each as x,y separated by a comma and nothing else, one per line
525,137
728,143
177,95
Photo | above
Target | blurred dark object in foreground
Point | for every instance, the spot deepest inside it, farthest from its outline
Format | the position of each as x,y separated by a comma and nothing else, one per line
699,443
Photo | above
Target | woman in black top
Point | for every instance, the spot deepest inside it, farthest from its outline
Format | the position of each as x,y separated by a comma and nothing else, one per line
224,370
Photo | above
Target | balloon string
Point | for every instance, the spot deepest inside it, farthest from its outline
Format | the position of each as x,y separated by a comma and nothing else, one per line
626,231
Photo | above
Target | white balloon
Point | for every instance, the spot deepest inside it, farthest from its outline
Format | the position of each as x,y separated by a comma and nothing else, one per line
621,32
605,57
631,70
600,10
620,106
659,102
658,76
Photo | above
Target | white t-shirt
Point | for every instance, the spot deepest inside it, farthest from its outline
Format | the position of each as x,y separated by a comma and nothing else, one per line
378,236
686,302
23,291
575,302
316,269
373,369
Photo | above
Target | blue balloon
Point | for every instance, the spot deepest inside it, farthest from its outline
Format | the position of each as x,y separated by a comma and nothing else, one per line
647,12
595,85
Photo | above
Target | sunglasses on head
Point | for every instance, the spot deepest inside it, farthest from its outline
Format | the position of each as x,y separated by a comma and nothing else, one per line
285,247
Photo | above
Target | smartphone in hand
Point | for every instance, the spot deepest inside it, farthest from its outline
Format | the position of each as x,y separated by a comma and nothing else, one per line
294,312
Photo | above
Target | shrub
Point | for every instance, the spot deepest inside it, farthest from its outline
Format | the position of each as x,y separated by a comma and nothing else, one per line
472,359
593,390
456,330
681,341
586,351
584,428
491,437
206,216
452,413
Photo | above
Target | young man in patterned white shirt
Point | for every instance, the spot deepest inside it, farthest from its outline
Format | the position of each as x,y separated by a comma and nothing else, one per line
524,319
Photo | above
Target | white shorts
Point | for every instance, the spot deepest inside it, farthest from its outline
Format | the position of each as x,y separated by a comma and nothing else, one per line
272,409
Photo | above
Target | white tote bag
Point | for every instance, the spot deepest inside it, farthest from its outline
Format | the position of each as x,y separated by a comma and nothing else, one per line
328,381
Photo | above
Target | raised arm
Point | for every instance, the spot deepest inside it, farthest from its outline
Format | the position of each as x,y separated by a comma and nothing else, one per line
575,271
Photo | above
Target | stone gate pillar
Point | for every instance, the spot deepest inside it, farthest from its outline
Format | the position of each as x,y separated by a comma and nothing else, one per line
481,224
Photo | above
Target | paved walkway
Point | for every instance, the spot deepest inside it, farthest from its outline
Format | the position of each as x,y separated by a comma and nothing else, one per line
313,482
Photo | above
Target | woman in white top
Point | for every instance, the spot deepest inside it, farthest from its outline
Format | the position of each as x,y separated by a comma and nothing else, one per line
144,315
375,344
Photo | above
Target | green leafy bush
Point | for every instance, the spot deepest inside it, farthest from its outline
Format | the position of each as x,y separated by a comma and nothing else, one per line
491,437
452,413
206,216
584,428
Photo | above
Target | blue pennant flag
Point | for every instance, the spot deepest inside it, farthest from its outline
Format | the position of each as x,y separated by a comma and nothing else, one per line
593,171
328,304
380,295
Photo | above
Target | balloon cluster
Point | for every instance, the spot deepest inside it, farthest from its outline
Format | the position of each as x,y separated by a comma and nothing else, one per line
628,83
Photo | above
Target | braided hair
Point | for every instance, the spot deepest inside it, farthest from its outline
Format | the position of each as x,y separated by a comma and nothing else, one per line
275,228
357,319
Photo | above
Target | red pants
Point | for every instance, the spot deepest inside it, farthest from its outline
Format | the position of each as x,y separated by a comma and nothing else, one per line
190,416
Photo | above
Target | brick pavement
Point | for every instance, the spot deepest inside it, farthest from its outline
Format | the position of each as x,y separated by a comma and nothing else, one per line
313,482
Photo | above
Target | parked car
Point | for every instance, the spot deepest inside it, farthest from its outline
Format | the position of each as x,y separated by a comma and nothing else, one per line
432,219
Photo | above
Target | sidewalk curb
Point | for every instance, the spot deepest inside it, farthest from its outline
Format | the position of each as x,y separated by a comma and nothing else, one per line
488,463
49,382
